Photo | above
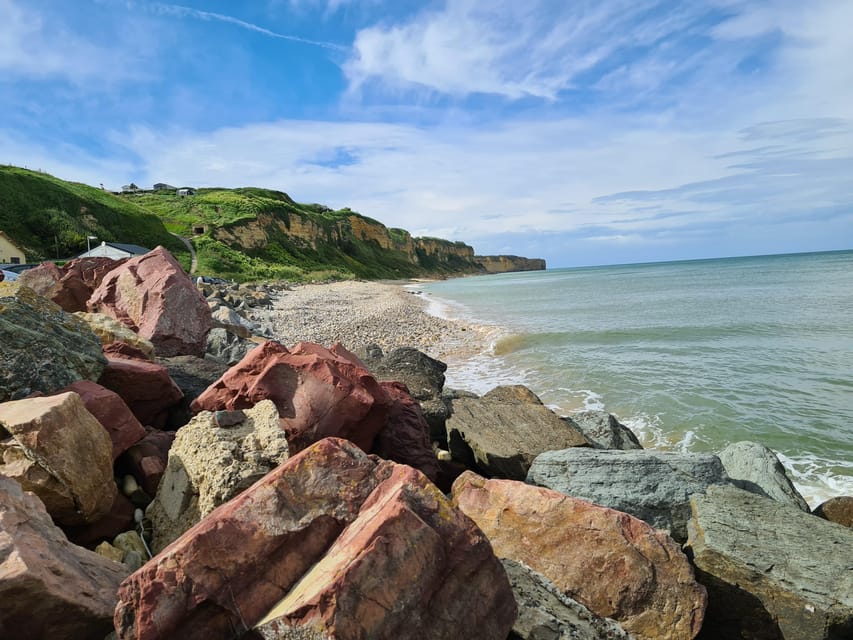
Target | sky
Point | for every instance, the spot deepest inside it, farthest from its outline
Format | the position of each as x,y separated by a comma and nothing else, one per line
580,131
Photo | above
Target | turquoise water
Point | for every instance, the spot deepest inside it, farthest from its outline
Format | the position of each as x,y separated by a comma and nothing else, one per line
691,355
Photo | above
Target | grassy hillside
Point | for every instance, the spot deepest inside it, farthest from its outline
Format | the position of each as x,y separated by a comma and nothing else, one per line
50,218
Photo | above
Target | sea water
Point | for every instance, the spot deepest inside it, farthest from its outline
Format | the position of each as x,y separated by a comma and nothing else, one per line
690,355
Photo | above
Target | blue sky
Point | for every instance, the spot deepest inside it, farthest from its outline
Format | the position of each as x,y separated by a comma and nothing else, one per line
581,131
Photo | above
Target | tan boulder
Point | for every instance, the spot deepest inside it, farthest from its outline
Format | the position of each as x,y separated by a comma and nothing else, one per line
109,331
59,451
614,564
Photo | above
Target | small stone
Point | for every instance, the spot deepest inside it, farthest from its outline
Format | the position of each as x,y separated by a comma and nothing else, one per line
229,418
129,485
109,551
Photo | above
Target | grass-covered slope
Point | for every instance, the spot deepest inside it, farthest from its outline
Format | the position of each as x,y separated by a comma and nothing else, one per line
50,218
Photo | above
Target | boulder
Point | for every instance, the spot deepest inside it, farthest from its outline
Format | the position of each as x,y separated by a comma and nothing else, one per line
331,543
319,392
224,317
501,433
211,461
50,588
654,486
838,510
756,468
544,612
772,571
153,295
125,351
111,411
226,347
42,348
405,437
58,450
111,331
71,285
192,375
614,564
146,460
604,431
145,387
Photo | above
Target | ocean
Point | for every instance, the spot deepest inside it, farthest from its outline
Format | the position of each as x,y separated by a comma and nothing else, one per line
690,355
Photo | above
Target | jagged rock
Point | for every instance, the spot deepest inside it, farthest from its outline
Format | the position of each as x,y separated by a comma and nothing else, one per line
501,433
108,551
405,437
545,613
319,392
153,295
225,317
756,468
838,510
333,540
772,571
227,347
654,486
71,285
146,460
110,331
209,464
145,387
58,450
192,375
50,588
422,375
614,564
42,348
604,431
111,411
125,351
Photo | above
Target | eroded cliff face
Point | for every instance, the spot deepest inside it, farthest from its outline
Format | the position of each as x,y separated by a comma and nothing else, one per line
505,264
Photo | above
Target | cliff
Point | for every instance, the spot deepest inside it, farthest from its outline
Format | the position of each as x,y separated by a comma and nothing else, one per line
504,264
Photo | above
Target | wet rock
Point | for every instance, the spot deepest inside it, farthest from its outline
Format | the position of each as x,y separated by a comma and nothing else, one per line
50,588
756,468
654,486
145,387
153,295
604,430
502,432
209,464
58,450
838,510
772,571
42,348
332,539
614,564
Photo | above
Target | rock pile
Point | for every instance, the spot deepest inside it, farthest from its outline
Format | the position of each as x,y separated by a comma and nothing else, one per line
259,490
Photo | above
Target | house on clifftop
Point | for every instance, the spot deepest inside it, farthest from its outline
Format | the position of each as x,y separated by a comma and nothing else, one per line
114,250
9,251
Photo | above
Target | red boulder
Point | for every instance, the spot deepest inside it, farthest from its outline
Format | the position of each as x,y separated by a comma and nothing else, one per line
145,387
146,460
71,285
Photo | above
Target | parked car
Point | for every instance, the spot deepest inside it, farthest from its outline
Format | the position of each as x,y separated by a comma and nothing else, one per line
7,276
17,268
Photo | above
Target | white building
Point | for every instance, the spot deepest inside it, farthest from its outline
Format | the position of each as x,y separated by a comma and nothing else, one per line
114,250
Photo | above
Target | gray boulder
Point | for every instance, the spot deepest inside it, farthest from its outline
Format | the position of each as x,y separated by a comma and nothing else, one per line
226,318
654,486
545,613
192,375
604,431
42,348
771,570
756,468
226,347
501,433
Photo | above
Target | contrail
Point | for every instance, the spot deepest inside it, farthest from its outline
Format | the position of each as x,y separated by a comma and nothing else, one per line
184,12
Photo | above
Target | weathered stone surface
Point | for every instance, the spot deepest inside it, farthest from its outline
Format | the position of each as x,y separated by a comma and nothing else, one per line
616,565
288,535
58,450
226,347
604,431
405,437
319,392
502,432
209,464
42,348
838,510
153,295
226,318
110,331
654,486
49,588
772,571
125,351
545,613
110,410
192,375
71,285
146,460
145,387
756,468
